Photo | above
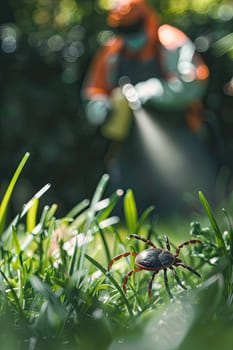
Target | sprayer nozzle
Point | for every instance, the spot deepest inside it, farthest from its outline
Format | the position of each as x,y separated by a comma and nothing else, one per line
130,93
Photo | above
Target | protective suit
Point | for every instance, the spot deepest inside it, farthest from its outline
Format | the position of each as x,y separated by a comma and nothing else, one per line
169,79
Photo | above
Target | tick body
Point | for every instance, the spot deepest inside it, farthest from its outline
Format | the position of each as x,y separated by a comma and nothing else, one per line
155,259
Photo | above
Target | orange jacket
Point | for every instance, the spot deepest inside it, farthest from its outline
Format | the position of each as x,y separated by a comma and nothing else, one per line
170,41
183,74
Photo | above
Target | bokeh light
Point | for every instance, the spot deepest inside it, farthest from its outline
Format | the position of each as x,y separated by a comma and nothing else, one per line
9,34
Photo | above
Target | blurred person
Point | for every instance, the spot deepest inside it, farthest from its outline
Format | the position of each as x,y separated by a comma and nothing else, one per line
154,69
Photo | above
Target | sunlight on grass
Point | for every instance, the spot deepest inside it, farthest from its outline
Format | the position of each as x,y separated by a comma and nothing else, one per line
55,290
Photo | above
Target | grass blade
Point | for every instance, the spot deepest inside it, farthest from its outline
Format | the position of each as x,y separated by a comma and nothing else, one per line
78,208
74,259
143,217
230,230
218,235
96,197
31,215
90,221
7,233
105,244
16,241
111,205
8,193
130,211
114,282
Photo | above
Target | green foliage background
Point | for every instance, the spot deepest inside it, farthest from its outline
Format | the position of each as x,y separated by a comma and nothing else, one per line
46,47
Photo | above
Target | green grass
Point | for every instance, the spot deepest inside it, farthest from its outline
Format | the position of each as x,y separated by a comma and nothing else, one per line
56,292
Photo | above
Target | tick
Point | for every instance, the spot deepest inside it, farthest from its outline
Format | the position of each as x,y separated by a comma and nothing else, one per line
155,259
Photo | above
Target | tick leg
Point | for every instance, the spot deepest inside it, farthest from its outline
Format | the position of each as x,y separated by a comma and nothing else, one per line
191,241
189,268
125,280
123,255
143,240
177,277
166,284
167,243
150,284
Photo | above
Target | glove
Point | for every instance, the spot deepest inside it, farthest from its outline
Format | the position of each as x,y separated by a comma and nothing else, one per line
149,89
98,110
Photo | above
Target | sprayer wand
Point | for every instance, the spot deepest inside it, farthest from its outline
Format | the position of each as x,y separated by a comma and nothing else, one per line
118,126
